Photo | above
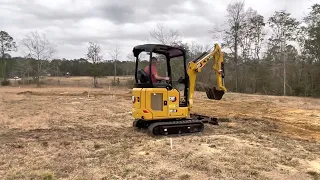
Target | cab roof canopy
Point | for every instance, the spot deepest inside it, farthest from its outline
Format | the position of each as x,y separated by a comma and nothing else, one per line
160,49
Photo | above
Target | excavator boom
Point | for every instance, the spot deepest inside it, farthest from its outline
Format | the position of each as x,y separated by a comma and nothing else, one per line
196,65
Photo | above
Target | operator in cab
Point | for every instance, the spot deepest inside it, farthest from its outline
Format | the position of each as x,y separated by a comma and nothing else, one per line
154,74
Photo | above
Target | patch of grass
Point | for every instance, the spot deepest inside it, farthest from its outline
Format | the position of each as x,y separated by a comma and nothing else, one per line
97,146
115,82
45,144
42,174
199,163
5,83
184,176
65,143
81,178
126,172
17,145
315,175
254,173
130,83
212,146
289,161
16,175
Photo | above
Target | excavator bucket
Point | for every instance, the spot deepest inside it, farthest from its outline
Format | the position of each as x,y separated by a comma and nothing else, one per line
213,93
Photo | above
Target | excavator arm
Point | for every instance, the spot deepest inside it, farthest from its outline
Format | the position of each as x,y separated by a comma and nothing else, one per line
195,66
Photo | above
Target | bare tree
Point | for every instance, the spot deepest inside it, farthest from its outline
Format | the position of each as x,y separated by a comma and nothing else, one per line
114,56
239,38
236,20
195,49
131,69
246,35
257,34
95,57
232,35
284,28
166,36
37,46
130,57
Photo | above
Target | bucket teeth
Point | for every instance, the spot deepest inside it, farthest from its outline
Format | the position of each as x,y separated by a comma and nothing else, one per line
213,93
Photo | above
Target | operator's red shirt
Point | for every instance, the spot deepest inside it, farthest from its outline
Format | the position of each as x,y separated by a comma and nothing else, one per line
153,72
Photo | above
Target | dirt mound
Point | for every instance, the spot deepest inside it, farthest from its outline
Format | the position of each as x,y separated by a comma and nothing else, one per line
25,93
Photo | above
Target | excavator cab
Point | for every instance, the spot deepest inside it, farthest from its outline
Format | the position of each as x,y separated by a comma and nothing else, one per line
176,69
173,65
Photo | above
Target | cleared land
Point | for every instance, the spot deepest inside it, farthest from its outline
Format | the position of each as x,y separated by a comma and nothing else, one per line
75,81
85,133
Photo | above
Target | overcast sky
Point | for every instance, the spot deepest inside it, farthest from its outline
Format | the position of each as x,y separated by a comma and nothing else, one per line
71,24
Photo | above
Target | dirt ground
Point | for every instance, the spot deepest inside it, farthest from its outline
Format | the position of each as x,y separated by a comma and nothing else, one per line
85,133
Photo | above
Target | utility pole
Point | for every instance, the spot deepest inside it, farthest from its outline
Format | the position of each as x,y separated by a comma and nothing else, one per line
115,69
114,55
284,74
283,49
236,52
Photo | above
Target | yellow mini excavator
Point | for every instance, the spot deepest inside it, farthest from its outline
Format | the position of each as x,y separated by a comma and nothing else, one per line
160,107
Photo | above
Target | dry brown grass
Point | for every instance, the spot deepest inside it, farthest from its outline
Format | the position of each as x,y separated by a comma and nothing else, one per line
78,81
64,133
294,116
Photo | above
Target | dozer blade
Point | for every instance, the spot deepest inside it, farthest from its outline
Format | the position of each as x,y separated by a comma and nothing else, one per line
204,119
213,93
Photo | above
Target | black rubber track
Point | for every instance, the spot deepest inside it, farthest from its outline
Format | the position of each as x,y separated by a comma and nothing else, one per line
173,128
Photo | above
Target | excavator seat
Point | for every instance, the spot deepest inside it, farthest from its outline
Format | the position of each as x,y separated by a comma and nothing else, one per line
143,76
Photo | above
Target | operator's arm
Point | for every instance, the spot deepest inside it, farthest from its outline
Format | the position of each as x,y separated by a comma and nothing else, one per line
160,77
155,74
196,66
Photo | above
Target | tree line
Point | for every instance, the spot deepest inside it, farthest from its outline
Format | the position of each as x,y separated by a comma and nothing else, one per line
277,55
